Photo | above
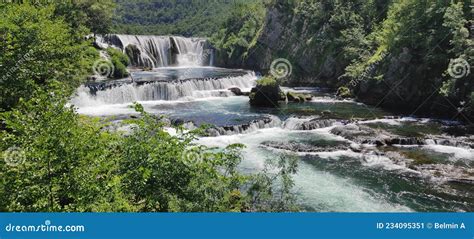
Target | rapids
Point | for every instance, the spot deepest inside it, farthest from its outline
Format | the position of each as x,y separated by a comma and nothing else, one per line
352,157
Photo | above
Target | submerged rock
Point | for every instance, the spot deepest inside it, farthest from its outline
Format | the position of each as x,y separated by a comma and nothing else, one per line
359,133
366,135
298,97
236,90
449,173
302,147
296,123
262,123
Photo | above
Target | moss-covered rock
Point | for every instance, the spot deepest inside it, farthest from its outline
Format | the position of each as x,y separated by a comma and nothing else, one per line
298,97
343,92
267,93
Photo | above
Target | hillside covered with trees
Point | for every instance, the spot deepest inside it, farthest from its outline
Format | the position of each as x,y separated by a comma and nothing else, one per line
405,55
410,57
55,160
183,17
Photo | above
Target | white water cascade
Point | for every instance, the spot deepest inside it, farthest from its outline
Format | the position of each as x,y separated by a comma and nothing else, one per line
191,51
173,90
161,51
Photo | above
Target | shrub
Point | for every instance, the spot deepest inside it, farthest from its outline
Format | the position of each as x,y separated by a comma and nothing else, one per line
120,62
267,81
343,92
71,163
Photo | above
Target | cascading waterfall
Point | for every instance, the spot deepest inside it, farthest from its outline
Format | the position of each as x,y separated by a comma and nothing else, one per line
161,51
150,51
191,51
269,121
173,90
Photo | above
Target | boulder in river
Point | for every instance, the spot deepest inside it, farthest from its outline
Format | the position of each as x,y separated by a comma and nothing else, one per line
237,91
298,97
304,147
267,93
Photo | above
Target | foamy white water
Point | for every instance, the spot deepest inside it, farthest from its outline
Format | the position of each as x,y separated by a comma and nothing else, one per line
169,91
319,190
156,51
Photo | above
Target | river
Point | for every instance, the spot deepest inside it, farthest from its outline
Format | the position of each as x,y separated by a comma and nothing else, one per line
352,157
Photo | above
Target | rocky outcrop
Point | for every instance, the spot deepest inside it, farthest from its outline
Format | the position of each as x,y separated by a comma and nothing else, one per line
288,35
364,134
301,147
298,97
238,92
407,78
265,95
262,123
301,123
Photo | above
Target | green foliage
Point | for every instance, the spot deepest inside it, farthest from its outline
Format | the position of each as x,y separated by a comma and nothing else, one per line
95,15
55,160
240,30
263,199
37,47
120,62
461,49
70,163
267,81
343,92
187,18
416,43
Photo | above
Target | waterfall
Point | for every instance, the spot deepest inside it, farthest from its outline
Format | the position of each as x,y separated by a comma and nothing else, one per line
150,51
172,90
191,51
268,121
160,51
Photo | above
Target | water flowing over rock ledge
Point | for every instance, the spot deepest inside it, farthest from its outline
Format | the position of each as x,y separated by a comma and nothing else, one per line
161,51
125,92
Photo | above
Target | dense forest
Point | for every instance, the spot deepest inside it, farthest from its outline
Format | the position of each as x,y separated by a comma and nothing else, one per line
56,160
182,17
409,56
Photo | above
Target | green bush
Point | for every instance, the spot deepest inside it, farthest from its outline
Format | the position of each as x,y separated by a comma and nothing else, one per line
267,81
343,92
70,163
37,47
120,62
239,31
